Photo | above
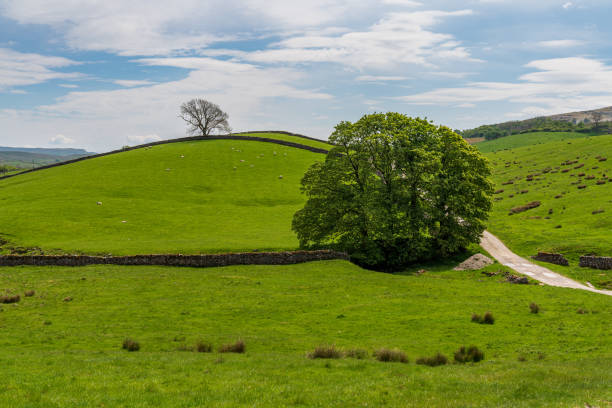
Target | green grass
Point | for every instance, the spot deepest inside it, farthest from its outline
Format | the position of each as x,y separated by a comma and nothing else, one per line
223,195
581,231
68,354
526,139
290,138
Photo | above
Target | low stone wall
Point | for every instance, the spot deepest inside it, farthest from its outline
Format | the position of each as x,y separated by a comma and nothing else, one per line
556,259
179,140
199,261
596,262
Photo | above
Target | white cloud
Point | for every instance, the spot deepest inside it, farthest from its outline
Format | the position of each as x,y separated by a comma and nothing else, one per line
72,86
253,97
406,3
567,5
560,43
380,78
129,83
141,139
398,39
19,69
557,85
60,140
18,91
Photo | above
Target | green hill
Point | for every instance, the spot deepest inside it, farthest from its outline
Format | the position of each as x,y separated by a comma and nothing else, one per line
188,197
62,344
525,139
575,212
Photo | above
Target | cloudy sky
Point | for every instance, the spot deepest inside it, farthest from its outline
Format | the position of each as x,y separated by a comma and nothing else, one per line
102,74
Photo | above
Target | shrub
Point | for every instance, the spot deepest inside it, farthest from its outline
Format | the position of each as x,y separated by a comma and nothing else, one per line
535,309
359,354
467,355
390,355
325,352
203,347
237,347
437,360
29,293
486,319
10,299
131,345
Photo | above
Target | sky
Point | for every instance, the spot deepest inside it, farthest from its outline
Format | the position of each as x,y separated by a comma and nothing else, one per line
103,74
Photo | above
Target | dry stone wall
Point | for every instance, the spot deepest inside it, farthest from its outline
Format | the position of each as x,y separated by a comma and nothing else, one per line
185,139
556,259
199,261
596,262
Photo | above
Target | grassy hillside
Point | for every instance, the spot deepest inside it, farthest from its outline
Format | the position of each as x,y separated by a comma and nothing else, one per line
526,139
68,353
191,197
290,138
570,220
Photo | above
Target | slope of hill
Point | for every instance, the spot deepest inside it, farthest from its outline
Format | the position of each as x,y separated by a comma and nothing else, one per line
572,182
187,197
525,139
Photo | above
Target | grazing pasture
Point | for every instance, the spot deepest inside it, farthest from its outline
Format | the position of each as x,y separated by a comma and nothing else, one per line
571,181
190,197
71,353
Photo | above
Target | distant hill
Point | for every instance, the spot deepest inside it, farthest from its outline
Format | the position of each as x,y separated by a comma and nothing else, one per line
52,152
26,157
598,121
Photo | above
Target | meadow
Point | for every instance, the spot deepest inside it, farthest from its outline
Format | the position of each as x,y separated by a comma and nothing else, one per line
526,139
190,197
58,353
574,215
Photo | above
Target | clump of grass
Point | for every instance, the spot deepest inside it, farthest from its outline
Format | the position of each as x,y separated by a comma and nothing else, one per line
525,207
29,293
391,355
434,361
487,318
535,309
582,311
203,347
10,299
130,345
237,347
325,352
469,354
359,354
522,358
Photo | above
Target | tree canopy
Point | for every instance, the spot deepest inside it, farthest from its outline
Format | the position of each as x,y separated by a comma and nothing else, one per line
204,117
394,190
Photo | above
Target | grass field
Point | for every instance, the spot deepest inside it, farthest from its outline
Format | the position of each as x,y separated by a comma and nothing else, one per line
191,197
580,220
290,138
68,354
526,139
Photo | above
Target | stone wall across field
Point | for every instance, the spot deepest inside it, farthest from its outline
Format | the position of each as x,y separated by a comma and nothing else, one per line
556,259
198,261
596,262
184,139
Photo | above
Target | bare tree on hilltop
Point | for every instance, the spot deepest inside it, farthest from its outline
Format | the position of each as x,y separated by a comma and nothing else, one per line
204,117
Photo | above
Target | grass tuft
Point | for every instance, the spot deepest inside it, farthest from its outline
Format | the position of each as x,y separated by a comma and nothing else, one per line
391,355
10,299
130,345
325,352
359,354
434,361
535,309
237,347
468,355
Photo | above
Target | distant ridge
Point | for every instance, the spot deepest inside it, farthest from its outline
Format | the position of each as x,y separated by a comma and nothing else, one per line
47,151
583,116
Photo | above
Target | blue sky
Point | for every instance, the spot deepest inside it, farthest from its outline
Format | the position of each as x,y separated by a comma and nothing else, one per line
100,75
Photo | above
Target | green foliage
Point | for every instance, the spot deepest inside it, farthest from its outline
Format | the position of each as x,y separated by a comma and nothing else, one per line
395,190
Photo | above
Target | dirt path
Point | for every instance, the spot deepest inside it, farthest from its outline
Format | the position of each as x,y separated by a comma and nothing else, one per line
499,251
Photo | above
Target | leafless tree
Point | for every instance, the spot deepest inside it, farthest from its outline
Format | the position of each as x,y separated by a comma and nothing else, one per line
596,116
204,117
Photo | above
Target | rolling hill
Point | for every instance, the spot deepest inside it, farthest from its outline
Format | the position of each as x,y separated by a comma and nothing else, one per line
574,215
189,197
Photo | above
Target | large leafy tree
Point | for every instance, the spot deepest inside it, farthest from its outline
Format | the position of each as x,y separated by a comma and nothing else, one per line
394,190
